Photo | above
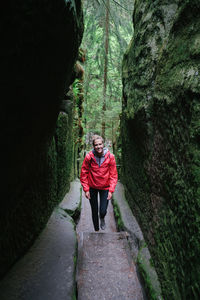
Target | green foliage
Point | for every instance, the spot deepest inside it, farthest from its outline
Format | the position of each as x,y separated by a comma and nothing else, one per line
77,88
120,31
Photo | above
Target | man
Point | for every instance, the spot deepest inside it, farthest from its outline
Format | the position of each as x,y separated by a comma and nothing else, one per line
99,176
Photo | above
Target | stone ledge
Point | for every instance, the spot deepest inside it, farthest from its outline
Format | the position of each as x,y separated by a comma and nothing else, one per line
71,203
137,243
47,270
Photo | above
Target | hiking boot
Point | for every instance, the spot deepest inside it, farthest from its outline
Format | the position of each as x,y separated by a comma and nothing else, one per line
102,224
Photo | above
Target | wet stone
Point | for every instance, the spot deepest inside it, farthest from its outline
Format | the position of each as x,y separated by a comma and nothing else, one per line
105,267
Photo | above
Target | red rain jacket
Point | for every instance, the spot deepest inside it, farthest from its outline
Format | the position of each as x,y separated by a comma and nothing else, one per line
102,177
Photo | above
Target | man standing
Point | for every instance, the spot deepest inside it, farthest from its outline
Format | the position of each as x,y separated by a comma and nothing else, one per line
99,175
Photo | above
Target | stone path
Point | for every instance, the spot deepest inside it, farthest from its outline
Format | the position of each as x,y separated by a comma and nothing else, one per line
46,271
105,267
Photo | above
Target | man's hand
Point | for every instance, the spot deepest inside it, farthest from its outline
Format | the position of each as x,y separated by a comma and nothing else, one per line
87,195
109,196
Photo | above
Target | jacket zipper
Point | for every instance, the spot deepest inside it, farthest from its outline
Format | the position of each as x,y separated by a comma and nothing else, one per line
99,160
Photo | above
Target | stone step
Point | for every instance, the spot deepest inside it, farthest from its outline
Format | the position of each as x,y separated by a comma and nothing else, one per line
105,268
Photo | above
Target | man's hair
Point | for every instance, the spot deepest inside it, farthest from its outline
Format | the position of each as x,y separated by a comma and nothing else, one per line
96,137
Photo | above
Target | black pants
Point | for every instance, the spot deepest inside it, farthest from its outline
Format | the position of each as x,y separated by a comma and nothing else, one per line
94,205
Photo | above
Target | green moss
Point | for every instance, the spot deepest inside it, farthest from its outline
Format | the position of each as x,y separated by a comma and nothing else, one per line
118,218
43,192
160,132
150,293
64,148
38,164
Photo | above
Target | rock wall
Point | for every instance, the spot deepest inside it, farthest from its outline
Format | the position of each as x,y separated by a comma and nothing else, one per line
160,131
40,43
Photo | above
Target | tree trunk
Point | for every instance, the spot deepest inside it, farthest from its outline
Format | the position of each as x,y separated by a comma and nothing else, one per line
105,67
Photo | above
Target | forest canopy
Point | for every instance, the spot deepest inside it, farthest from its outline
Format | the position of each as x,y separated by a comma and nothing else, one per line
108,31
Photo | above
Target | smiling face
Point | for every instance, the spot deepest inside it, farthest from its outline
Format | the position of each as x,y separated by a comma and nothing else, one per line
98,146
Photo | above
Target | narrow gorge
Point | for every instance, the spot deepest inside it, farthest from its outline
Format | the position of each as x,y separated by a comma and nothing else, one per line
42,144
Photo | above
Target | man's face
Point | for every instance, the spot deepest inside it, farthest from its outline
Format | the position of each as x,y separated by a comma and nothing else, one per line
98,146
